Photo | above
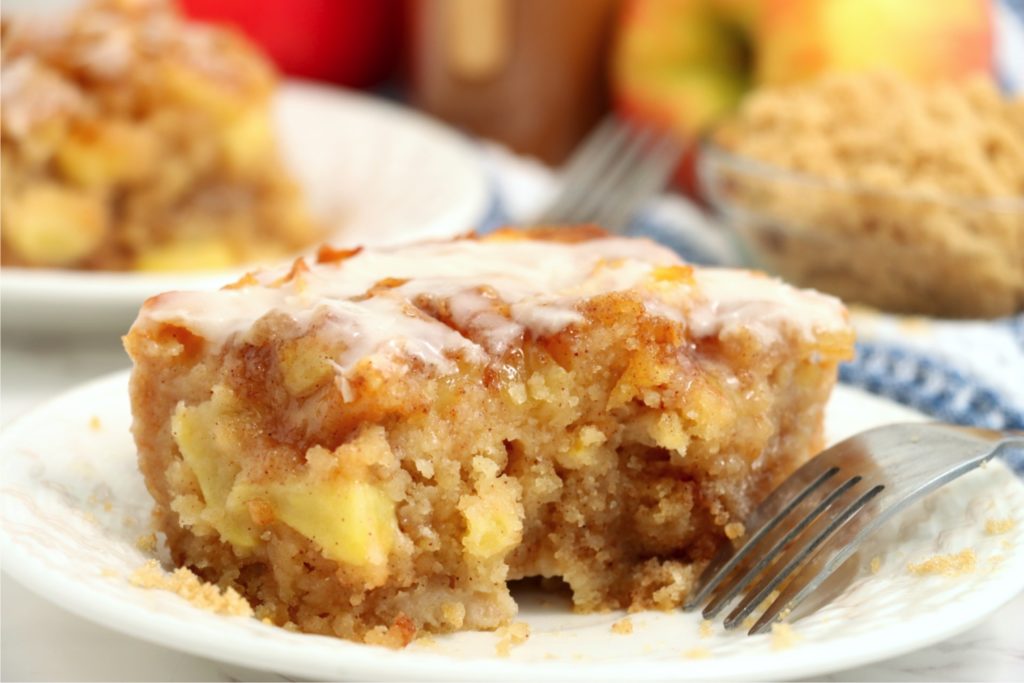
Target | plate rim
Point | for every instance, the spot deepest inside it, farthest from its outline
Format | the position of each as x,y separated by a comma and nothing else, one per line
134,620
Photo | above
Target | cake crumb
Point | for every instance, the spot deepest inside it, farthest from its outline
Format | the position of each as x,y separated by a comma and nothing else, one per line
95,424
146,542
876,564
697,653
734,530
514,634
109,573
453,613
706,629
189,586
623,626
963,562
994,527
783,636
427,642
398,635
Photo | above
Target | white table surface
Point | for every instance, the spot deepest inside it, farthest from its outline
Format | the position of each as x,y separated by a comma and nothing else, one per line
39,641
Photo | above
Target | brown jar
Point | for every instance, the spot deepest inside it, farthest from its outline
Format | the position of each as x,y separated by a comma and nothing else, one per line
531,74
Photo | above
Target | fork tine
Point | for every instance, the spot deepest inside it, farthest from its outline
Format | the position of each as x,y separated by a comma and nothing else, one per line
585,167
793,557
649,179
821,564
768,514
606,186
779,543
837,549
885,470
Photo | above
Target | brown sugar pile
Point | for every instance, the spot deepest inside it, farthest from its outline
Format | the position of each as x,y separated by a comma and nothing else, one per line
900,195
189,586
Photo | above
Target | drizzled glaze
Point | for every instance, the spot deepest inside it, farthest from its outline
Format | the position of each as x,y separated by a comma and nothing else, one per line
493,291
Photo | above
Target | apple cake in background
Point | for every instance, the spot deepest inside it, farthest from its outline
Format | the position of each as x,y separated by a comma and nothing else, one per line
135,140
373,443
904,196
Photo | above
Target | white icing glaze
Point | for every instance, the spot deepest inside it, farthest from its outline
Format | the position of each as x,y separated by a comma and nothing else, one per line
494,291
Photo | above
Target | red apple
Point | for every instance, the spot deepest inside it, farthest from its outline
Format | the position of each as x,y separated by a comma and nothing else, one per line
350,42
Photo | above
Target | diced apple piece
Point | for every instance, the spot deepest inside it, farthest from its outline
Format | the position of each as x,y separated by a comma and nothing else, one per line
195,254
305,366
106,154
352,521
494,519
248,142
208,444
53,225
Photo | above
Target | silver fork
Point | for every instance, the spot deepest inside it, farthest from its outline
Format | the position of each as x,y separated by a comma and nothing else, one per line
812,522
617,168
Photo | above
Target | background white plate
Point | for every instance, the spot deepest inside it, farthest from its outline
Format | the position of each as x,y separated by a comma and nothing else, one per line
374,172
74,504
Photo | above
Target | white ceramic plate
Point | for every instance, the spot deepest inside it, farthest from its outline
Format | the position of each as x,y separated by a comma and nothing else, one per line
74,505
374,172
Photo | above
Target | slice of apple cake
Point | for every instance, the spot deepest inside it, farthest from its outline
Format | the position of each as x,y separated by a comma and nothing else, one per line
134,140
375,442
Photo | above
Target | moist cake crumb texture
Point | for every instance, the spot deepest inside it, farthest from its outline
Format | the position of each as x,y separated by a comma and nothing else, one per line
372,443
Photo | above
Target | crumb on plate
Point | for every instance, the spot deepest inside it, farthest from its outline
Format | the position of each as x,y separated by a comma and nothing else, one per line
623,626
994,527
399,634
734,530
783,636
201,594
706,628
953,564
515,633
146,542
697,653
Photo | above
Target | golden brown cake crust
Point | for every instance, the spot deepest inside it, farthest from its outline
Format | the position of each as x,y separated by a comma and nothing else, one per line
603,424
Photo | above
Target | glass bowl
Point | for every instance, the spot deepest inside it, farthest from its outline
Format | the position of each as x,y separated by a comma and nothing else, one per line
904,252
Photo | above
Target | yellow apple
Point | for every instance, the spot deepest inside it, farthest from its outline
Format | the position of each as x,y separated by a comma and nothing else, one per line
687,63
